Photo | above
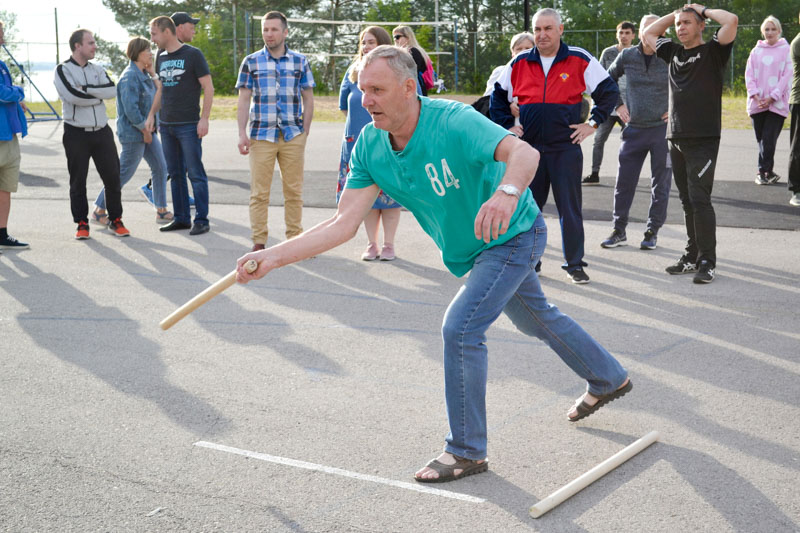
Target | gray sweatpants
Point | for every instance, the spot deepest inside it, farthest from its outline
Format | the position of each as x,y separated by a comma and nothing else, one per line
636,144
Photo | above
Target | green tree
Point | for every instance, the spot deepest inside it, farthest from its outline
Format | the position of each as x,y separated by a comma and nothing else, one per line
110,55
10,32
210,36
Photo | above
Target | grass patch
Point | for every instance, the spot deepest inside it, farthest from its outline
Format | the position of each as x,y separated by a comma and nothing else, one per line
326,109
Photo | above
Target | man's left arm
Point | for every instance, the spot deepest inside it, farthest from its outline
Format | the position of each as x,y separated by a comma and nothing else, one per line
105,90
307,94
728,22
11,94
308,108
605,94
495,214
208,98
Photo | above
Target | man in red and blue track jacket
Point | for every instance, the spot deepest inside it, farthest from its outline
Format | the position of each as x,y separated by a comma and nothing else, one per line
548,83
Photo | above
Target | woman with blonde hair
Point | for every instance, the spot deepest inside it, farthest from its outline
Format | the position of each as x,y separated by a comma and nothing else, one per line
404,37
384,209
768,78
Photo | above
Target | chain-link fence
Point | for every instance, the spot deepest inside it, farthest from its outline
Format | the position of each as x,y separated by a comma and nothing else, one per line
462,59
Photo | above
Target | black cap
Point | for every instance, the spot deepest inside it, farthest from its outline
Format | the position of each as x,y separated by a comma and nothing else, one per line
182,17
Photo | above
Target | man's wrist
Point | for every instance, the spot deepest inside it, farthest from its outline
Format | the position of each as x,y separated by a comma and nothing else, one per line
510,190
703,12
592,122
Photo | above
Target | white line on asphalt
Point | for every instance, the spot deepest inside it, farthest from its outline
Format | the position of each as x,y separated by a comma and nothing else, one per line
339,472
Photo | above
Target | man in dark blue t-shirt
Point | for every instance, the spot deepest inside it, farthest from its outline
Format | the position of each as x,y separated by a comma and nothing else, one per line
183,72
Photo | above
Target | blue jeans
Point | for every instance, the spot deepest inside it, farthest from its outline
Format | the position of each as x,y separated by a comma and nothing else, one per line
503,279
129,160
181,143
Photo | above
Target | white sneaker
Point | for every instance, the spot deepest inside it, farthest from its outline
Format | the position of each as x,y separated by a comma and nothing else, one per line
795,200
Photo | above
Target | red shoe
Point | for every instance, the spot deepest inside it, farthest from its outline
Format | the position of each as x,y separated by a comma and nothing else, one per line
117,228
83,231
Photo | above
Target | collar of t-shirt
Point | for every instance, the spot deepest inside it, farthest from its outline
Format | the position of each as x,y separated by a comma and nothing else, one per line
547,62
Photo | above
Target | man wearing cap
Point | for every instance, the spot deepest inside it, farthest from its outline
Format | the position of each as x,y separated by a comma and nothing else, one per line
281,86
184,74
184,26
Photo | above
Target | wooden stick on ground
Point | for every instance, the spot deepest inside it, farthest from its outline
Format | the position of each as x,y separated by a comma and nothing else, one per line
205,296
580,483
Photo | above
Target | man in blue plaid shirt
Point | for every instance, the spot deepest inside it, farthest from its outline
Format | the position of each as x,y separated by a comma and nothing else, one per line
280,85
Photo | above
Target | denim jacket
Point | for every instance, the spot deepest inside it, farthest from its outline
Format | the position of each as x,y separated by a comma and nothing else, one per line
135,91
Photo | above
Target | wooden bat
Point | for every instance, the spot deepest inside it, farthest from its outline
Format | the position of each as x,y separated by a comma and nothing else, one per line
583,481
250,266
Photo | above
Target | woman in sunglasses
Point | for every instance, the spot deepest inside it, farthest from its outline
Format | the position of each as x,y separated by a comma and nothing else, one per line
404,37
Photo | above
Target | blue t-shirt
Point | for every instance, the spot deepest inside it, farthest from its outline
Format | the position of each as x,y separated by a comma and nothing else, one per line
444,175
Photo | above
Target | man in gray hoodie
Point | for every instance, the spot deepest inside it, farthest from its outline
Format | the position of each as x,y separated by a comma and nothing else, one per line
647,94
82,86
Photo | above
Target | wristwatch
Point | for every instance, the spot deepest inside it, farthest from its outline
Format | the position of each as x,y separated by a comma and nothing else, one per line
509,189
703,13
592,123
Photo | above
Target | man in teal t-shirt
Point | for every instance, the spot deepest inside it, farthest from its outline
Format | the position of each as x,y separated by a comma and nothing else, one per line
461,176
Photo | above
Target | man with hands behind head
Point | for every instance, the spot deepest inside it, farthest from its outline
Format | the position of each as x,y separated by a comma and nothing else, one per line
696,70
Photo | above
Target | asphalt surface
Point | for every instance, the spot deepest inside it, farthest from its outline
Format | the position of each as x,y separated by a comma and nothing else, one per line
238,418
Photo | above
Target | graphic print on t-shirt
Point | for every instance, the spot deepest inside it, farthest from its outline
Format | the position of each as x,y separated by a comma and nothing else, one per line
171,71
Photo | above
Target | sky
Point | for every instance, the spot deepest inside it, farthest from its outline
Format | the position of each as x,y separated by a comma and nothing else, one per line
35,31
36,24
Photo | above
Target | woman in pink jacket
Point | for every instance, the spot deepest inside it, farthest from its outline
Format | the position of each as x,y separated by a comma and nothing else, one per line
768,77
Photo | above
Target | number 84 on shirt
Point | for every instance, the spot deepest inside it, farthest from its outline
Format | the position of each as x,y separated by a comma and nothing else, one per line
447,175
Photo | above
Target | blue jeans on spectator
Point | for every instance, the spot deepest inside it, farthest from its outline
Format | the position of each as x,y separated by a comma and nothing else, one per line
503,279
129,160
181,143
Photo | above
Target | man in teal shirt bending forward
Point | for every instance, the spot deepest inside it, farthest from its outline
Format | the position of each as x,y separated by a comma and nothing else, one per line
465,179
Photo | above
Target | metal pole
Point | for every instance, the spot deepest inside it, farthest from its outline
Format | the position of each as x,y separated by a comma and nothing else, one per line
436,17
55,16
455,53
235,54
527,15
475,57
247,31
597,44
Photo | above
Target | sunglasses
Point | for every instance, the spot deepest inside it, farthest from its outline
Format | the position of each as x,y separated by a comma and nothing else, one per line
398,37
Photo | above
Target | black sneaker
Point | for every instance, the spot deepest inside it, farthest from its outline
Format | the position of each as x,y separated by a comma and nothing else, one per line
705,272
10,243
578,276
649,241
592,179
771,178
617,238
683,266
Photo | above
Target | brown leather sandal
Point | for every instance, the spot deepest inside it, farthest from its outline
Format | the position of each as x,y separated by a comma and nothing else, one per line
584,409
446,473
